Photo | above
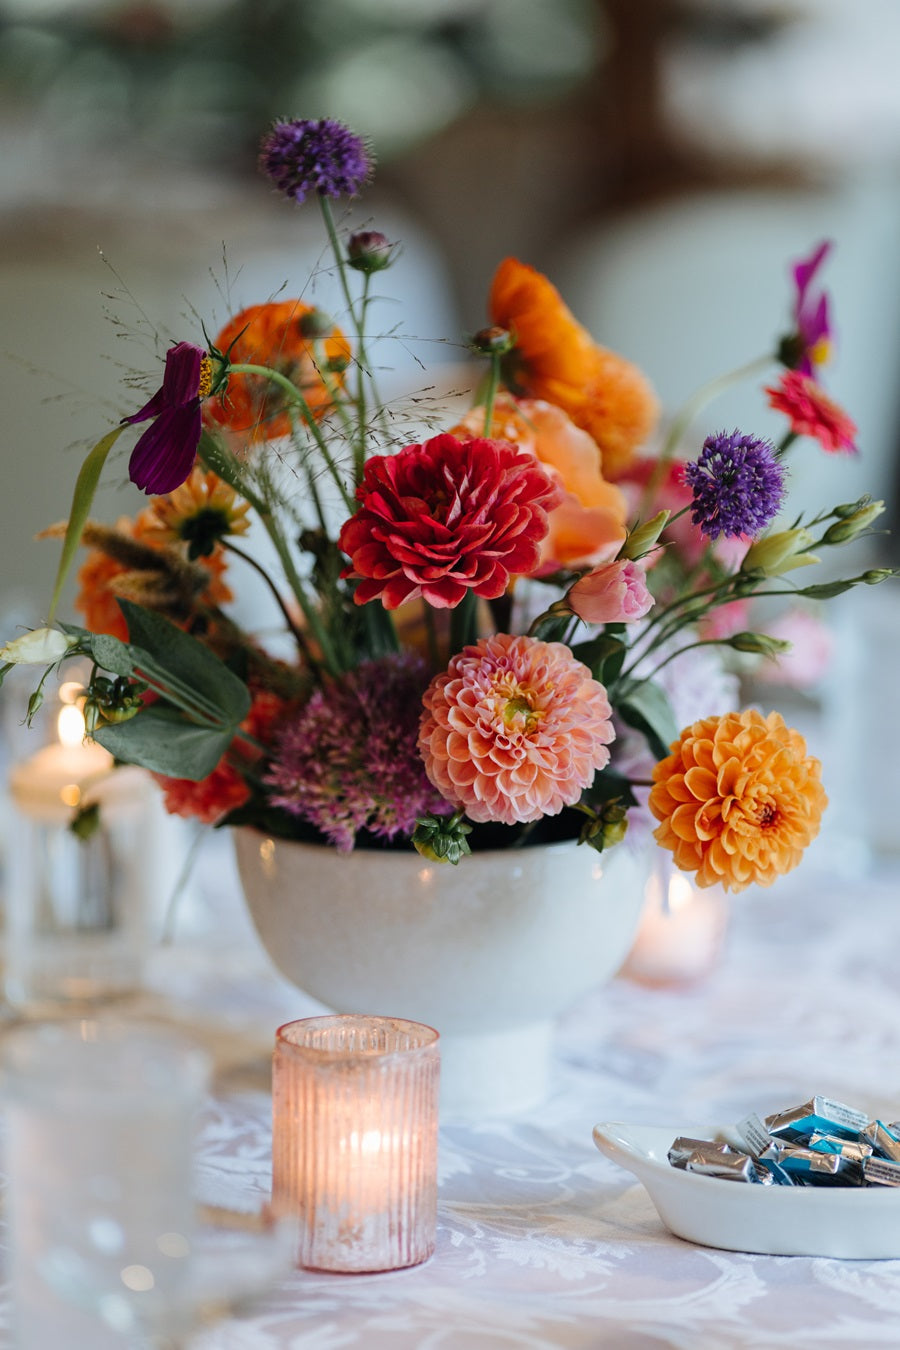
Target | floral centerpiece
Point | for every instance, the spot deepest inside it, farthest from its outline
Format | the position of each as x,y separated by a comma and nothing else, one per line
482,618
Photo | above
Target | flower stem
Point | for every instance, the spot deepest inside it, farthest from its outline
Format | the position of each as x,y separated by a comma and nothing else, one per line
294,394
686,414
493,381
298,635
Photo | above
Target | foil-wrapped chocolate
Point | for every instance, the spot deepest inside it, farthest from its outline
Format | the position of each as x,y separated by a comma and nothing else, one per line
820,1115
881,1172
884,1139
810,1168
718,1160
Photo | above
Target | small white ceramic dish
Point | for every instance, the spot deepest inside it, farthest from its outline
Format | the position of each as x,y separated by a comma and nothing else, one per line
854,1223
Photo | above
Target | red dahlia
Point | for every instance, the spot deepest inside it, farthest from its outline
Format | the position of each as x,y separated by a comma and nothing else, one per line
445,517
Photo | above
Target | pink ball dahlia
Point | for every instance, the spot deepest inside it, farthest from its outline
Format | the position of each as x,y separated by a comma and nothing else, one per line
514,729
445,517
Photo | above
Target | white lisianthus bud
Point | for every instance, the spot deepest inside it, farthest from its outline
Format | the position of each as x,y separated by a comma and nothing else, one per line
40,647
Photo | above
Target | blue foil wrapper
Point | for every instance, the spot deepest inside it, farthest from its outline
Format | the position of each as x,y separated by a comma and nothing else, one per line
821,1115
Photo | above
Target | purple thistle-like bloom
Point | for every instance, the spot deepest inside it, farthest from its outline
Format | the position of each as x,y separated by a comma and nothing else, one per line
307,157
349,760
738,485
164,455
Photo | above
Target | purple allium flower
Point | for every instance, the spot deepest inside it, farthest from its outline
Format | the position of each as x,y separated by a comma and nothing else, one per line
738,485
164,456
349,760
305,157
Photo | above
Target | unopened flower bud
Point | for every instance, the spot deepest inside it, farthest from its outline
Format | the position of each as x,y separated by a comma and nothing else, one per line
315,323
777,553
850,508
369,251
849,527
642,538
758,643
606,825
877,574
442,839
494,341
40,647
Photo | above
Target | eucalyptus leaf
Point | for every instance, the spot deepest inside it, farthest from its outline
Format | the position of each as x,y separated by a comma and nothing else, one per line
188,661
112,654
647,709
166,743
83,496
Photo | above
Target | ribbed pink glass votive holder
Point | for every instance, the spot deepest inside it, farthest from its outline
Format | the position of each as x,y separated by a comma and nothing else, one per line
354,1140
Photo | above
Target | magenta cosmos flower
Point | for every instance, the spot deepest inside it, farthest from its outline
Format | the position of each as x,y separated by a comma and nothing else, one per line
808,345
514,729
442,518
164,456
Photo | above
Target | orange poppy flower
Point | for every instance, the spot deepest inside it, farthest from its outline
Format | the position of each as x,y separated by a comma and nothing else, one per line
738,799
556,359
275,335
589,524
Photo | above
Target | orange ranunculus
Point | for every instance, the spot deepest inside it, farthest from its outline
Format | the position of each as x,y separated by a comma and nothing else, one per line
275,335
96,598
588,525
556,359
738,799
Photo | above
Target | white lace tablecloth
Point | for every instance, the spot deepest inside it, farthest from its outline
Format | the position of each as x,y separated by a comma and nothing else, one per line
542,1242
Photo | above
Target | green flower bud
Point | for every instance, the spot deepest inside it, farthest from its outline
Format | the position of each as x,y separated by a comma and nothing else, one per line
758,643
642,538
442,839
877,574
494,341
316,324
369,251
781,552
848,527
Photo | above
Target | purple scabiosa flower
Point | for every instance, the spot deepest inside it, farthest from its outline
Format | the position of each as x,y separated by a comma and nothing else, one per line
349,759
164,456
738,485
807,346
306,157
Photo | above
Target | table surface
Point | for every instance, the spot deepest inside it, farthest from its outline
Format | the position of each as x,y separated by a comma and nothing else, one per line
542,1242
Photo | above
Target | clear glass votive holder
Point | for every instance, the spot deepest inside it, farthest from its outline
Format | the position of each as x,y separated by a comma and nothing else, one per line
77,906
682,929
101,1120
354,1140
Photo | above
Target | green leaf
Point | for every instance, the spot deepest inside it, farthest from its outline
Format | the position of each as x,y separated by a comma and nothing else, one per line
647,709
83,496
603,655
188,660
550,627
112,654
162,741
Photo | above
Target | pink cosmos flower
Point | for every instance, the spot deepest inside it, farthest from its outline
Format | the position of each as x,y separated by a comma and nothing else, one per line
164,456
514,729
445,517
813,413
613,593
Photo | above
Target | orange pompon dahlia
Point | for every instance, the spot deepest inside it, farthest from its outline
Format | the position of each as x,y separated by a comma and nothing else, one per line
514,729
285,335
556,359
738,799
589,523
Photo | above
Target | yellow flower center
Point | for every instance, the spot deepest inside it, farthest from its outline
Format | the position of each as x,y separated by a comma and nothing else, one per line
206,377
820,352
517,706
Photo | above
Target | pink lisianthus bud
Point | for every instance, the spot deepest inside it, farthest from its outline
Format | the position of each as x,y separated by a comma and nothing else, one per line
613,593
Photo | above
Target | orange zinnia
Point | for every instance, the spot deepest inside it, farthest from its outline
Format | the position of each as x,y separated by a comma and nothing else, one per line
556,359
276,335
738,799
589,524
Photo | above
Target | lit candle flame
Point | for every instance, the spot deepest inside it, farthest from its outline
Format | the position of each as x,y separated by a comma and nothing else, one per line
70,725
